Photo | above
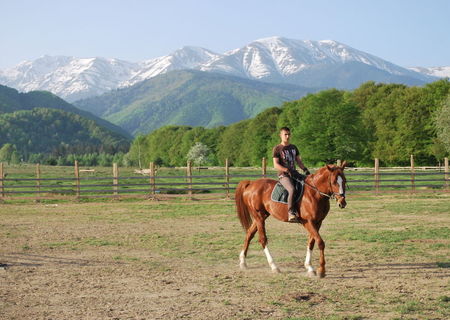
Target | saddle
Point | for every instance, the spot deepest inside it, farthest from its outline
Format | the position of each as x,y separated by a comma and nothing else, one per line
280,194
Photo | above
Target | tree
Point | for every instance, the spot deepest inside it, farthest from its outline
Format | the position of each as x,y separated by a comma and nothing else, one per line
136,155
258,135
331,129
8,153
198,154
231,144
442,123
399,120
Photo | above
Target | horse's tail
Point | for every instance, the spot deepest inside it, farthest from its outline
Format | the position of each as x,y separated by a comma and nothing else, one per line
241,208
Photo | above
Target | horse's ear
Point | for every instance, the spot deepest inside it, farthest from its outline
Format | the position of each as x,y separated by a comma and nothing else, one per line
330,167
344,164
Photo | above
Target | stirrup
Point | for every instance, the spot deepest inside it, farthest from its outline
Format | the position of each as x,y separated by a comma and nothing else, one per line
292,217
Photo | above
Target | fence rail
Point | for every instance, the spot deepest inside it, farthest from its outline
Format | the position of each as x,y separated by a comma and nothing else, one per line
151,185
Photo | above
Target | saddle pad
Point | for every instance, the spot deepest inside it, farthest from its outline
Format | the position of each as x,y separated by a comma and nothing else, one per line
280,194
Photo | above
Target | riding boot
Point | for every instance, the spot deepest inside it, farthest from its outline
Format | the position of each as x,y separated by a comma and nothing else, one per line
292,216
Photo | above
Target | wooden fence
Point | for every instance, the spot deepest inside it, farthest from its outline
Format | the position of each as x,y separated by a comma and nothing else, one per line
220,184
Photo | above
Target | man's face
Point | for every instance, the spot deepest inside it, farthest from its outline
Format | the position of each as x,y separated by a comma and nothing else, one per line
285,136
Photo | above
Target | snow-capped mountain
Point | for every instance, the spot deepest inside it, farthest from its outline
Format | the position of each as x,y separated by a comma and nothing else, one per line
278,56
69,77
440,72
307,63
185,58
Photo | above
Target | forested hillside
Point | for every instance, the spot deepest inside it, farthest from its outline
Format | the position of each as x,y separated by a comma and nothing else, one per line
387,121
38,126
43,130
188,97
12,100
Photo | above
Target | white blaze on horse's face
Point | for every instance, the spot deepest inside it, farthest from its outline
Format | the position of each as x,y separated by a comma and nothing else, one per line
341,199
340,182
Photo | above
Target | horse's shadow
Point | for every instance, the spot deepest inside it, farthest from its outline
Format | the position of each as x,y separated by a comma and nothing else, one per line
385,270
32,260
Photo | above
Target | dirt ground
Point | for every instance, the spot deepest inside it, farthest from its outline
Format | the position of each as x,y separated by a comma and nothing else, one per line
142,260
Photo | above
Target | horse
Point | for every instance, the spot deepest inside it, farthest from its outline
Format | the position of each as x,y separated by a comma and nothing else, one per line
254,206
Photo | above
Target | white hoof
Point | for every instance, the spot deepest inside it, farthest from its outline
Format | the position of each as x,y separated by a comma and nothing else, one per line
243,266
311,274
276,270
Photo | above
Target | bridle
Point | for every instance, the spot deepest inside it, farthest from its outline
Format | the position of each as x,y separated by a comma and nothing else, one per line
332,195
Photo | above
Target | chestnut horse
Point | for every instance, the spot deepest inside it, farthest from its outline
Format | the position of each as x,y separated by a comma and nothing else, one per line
254,205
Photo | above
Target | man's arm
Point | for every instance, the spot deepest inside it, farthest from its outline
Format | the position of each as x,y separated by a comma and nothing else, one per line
278,166
301,165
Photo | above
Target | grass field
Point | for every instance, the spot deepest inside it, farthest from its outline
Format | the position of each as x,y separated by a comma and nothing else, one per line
387,258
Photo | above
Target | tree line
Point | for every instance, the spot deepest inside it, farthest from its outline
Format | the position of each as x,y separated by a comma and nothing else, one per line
376,120
10,155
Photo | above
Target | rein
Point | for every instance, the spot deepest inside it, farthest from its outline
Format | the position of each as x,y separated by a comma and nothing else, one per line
333,194
313,187
320,192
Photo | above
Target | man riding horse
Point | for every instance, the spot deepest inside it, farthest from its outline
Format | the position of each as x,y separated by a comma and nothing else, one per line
285,155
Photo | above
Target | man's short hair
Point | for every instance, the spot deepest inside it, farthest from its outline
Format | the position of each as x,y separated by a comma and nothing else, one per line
285,129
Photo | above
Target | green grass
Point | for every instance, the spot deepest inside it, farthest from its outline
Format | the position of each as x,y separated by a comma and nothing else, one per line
394,235
409,307
78,244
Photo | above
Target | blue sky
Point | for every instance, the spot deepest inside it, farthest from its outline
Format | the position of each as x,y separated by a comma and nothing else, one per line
405,32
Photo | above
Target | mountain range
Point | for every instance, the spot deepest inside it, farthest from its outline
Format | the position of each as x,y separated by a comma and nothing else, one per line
306,63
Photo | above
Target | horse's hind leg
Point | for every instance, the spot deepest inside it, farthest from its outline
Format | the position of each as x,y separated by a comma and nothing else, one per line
263,241
250,234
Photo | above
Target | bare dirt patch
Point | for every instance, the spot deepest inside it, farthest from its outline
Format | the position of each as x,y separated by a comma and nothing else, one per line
142,260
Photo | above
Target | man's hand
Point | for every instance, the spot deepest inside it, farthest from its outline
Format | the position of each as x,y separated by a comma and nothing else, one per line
306,171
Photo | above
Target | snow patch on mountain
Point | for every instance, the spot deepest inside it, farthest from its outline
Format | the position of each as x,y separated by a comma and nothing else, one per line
440,72
184,58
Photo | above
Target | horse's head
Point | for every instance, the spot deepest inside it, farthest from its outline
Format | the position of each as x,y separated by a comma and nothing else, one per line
337,183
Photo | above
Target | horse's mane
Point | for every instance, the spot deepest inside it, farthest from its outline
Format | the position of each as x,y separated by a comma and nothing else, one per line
321,170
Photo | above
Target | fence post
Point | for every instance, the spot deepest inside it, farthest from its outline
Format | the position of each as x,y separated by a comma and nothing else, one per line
2,190
264,167
115,179
227,177
377,175
38,179
77,179
189,178
413,188
152,177
446,172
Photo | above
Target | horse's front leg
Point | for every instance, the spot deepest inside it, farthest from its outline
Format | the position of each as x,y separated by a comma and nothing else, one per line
314,234
309,249
321,269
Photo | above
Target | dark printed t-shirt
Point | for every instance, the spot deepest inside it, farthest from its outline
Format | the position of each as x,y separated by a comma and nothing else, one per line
286,156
